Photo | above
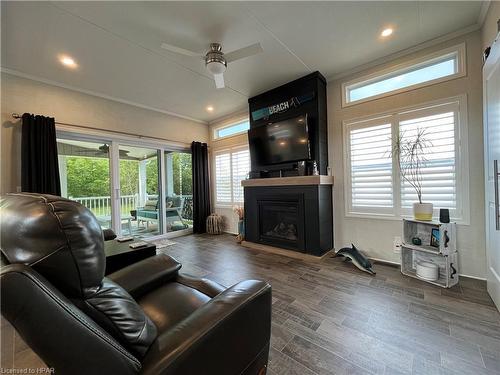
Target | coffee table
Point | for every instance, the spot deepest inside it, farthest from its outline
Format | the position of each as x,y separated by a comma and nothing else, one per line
119,255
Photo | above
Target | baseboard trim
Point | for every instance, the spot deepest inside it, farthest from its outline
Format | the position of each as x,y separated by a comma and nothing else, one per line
284,252
385,261
398,264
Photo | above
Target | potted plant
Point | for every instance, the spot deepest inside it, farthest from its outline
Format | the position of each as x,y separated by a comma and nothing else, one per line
410,155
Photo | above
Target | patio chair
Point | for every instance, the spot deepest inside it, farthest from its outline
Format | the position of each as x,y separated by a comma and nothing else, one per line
173,212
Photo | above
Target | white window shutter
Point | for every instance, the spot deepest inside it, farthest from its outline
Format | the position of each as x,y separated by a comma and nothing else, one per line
371,168
241,167
223,177
231,167
439,185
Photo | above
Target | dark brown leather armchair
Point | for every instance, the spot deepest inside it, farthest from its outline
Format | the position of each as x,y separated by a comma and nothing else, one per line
144,319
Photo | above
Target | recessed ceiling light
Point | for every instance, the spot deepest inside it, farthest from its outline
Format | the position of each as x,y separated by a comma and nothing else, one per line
386,32
210,108
67,61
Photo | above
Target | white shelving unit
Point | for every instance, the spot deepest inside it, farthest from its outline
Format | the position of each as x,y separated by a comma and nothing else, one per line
442,252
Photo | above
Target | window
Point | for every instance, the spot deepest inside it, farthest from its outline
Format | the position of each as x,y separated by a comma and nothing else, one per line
428,70
231,167
233,129
374,186
371,166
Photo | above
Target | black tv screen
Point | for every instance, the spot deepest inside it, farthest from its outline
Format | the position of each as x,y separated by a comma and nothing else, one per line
280,142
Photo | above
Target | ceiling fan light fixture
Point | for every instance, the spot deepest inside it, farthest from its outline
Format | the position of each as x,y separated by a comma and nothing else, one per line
214,60
216,67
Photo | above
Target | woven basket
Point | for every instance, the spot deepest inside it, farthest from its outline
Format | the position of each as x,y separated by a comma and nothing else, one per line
214,224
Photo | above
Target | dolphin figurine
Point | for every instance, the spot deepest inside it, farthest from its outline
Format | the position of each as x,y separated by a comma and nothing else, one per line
358,259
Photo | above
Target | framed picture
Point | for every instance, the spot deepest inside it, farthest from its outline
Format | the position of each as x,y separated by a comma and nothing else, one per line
435,237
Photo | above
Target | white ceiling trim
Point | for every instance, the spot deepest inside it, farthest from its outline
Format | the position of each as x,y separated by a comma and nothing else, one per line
97,94
407,51
485,6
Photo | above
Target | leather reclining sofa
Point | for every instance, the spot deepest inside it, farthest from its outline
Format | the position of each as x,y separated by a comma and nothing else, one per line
147,318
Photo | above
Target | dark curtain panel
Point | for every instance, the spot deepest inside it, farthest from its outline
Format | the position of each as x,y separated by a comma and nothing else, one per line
39,166
201,187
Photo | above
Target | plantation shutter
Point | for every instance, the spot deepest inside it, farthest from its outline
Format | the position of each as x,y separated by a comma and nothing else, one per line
231,167
240,167
439,179
223,177
370,168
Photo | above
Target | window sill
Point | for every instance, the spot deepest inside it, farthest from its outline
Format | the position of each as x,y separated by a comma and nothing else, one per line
371,216
228,205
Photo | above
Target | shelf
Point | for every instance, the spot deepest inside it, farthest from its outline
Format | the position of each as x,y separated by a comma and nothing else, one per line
448,265
435,223
289,181
424,248
443,234
439,282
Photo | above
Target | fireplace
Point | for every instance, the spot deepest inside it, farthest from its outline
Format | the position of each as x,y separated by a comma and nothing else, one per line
281,222
296,217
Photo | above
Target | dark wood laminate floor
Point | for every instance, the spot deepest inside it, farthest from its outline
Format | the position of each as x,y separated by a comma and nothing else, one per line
330,318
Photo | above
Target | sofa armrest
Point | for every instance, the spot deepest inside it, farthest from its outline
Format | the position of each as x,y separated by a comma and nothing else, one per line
146,275
205,286
226,336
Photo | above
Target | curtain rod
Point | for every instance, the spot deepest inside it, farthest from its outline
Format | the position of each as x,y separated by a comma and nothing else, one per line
18,116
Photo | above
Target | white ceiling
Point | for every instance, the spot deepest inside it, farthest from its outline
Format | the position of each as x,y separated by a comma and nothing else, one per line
117,44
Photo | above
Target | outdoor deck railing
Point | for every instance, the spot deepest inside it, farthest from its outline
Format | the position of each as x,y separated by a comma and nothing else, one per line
101,206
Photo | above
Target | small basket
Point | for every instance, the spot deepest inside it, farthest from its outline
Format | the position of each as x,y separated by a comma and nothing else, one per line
214,224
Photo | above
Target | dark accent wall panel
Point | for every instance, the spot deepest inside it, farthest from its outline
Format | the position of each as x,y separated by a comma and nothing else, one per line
315,108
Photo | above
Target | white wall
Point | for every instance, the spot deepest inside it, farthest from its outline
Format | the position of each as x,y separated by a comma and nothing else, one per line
24,95
230,218
490,28
376,237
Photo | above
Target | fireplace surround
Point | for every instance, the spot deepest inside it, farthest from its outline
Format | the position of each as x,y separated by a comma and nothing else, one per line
293,213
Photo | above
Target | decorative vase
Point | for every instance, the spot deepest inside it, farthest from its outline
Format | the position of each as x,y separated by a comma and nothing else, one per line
423,211
241,231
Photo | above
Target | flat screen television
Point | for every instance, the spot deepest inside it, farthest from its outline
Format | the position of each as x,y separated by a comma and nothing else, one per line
280,142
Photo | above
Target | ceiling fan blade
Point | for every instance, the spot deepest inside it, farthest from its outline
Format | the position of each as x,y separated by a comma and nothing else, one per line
219,81
243,52
182,51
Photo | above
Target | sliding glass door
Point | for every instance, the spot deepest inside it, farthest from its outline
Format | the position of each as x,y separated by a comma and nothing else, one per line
123,184
85,176
140,203
179,191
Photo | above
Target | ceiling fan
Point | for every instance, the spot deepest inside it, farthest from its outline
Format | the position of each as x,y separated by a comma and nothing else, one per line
102,150
216,60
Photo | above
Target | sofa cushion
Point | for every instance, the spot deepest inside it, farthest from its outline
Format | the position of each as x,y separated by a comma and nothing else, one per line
59,238
175,201
151,205
171,303
146,214
119,314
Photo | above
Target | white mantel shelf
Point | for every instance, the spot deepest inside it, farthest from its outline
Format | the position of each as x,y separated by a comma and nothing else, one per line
289,181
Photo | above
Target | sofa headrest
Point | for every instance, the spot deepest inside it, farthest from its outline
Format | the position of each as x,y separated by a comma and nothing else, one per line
59,238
